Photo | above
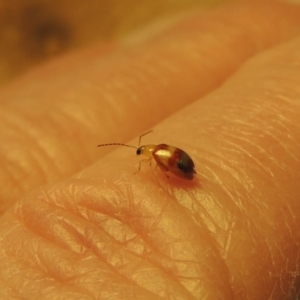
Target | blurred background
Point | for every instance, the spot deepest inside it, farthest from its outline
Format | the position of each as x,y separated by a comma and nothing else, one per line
32,31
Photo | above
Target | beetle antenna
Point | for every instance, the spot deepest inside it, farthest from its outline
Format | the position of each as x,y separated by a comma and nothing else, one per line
143,135
116,144
125,145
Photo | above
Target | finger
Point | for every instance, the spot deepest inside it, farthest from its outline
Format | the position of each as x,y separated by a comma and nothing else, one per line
219,237
51,121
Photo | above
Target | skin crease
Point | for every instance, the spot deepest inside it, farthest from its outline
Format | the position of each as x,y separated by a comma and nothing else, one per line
228,94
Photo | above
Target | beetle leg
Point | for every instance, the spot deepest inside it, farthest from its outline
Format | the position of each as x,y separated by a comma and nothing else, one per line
143,161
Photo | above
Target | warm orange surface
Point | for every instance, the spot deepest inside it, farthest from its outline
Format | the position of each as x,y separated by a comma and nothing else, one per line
79,223
33,31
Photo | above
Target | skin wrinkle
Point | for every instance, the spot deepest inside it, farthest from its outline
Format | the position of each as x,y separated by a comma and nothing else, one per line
85,237
73,277
227,238
236,210
248,154
279,142
136,225
145,73
47,288
231,166
32,158
8,292
58,114
28,268
209,215
267,133
112,103
30,136
277,124
116,268
72,113
10,175
70,154
280,122
7,166
142,77
200,206
107,223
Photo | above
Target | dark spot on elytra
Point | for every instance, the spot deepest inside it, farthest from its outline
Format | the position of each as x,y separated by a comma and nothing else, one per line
185,163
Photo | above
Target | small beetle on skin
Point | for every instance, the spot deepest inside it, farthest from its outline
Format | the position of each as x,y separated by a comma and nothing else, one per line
168,158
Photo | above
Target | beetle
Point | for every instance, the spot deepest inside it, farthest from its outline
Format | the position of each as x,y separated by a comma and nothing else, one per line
168,158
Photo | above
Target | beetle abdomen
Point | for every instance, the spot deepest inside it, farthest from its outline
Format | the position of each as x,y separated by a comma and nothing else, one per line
175,161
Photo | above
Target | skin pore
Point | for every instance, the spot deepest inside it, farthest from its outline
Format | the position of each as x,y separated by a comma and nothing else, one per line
77,223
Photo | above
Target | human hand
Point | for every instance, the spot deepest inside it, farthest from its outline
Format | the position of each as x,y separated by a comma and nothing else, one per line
107,233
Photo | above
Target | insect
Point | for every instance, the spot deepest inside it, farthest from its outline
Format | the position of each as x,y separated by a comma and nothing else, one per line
168,158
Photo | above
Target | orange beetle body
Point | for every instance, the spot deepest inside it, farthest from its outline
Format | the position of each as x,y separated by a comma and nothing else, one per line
168,158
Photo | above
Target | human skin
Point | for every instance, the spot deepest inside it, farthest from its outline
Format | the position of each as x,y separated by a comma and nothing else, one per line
224,86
